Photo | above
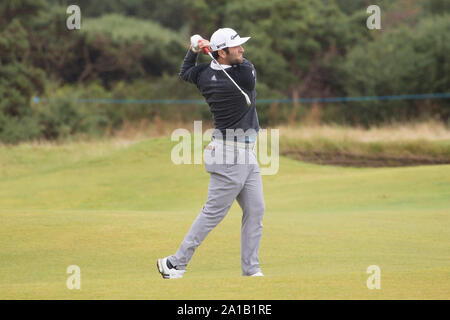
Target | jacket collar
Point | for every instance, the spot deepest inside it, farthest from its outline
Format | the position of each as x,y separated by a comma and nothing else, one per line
214,66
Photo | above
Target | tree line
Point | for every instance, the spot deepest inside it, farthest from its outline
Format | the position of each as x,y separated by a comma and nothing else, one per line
133,50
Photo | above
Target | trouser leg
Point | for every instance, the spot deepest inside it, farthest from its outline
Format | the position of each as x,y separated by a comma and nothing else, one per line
251,201
222,191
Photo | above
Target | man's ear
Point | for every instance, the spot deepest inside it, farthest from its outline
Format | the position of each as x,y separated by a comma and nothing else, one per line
222,54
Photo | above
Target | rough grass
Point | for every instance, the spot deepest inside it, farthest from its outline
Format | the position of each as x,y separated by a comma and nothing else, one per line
422,143
113,209
428,131
394,145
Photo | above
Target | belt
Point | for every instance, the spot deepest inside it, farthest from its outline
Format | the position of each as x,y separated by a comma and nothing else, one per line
238,144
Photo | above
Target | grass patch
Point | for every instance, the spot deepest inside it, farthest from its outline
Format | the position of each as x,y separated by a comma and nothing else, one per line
384,146
113,210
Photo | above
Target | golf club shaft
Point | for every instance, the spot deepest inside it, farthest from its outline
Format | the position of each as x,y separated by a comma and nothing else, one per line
209,53
247,99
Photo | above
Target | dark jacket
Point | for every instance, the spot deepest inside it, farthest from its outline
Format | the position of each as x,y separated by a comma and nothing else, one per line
226,102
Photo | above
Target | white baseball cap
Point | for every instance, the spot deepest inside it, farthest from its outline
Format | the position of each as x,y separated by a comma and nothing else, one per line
226,38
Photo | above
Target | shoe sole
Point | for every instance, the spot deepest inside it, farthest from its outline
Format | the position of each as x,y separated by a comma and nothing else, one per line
160,269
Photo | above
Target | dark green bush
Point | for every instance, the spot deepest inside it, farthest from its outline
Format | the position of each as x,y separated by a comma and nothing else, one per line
14,129
404,61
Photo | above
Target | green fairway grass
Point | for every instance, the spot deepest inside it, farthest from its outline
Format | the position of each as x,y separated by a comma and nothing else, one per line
114,208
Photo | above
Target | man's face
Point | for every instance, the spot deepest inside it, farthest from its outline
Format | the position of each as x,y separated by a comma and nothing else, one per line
234,55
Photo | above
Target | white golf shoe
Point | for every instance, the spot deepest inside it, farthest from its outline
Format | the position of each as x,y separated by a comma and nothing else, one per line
168,273
258,274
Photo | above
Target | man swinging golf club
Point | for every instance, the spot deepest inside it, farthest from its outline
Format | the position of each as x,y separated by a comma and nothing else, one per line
228,85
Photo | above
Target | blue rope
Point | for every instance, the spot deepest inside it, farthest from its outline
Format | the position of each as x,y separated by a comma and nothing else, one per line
286,100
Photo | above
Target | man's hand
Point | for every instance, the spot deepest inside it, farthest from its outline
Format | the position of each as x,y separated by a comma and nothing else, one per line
198,43
203,44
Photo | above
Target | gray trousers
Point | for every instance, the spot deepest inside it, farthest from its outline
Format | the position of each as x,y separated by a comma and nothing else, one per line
236,177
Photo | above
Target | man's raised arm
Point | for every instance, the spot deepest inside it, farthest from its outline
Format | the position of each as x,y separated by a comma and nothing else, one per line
189,69
188,66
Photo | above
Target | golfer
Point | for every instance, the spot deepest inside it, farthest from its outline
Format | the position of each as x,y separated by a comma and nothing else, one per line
230,157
